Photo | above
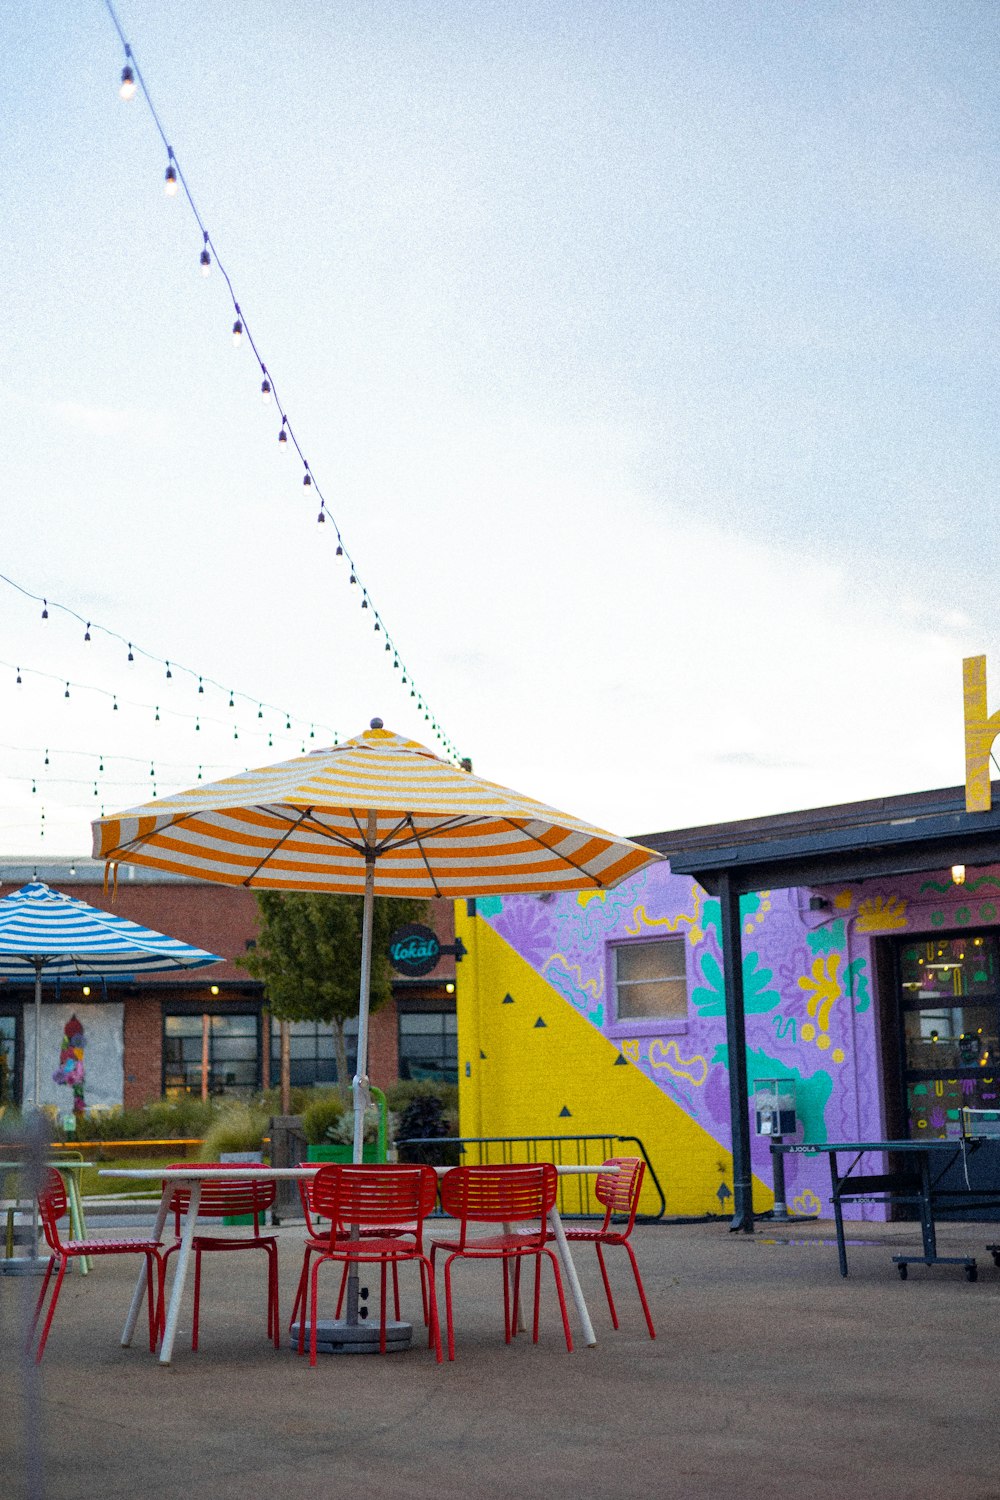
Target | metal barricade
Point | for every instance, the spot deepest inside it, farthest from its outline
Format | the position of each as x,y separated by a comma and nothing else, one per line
576,1193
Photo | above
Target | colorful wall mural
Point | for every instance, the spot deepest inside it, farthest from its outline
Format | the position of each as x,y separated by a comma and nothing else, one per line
81,1055
812,1015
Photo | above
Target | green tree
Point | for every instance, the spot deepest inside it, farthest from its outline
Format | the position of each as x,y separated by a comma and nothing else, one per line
308,957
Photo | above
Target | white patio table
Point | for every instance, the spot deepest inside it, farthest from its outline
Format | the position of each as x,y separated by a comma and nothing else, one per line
192,1177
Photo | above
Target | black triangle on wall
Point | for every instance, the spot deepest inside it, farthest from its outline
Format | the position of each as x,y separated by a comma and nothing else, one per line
621,1061
507,1000
564,1113
482,1054
540,1022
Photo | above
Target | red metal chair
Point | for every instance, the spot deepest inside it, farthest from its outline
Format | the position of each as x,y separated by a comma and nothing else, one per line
223,1200
383,1208
618,1191
506,1195
53,1206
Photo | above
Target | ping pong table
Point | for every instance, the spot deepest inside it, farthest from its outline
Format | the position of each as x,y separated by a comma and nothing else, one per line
913,1178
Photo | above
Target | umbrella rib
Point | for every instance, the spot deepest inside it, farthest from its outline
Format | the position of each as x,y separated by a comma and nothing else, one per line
423,855
293,824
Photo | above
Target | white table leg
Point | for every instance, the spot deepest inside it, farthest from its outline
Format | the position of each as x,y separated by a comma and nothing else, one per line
562,1245
177,1289
140,1285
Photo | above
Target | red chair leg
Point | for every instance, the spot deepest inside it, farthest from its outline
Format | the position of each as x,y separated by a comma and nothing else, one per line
516,1309
434,1326
63,1263
381,1308
197,1297
538,1296
607,1284
274,1317
301,1291
315,1302
506,1301
395,1291
562,1301
447,1306
641,1289
343,1288
153,1301
38,1304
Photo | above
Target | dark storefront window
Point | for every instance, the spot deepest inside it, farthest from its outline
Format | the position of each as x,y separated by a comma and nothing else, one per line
8,1059
312,1059
428,1045
221,1046
950,993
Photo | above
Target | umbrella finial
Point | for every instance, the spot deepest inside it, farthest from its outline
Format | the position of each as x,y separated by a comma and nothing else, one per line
376,724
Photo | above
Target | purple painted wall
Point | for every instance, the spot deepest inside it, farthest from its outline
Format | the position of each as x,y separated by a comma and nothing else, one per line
812,1012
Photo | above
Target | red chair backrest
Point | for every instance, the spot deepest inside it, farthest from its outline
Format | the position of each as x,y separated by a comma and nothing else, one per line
221,1199
619,1191
506,1194
369,1196
52,1206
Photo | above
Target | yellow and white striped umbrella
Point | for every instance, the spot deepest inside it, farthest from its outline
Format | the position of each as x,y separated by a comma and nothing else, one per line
321,821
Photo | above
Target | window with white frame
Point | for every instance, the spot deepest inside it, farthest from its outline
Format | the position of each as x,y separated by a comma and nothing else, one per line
650,980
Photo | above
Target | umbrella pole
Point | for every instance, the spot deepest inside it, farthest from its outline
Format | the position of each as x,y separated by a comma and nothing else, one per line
360,1084
37,1097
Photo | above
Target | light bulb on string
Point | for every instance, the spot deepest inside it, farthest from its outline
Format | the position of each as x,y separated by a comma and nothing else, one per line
340,549
237,334
45,609
46,757
364,601
260,710
130,656
265,390
307,478
66,693
114,704
170,181
283,439
199,773
156,716
197,724
205,261
201,686
34,788
127,90
231,703
322,515
169,673
86,633
19,677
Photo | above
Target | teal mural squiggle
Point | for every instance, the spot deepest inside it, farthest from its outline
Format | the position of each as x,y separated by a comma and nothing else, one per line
856,984
827,939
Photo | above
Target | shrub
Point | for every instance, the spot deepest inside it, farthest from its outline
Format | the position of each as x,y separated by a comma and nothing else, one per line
407,1090
237,1127
424,1118
322,1115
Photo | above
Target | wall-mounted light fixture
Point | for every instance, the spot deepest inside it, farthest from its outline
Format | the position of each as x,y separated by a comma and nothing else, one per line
958,874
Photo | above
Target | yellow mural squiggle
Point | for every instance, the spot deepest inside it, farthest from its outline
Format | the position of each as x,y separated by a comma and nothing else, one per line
641,918
694,1069
595,986
825,988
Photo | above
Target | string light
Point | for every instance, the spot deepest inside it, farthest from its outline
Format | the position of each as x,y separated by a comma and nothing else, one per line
170,181
127,90
268,389
237,334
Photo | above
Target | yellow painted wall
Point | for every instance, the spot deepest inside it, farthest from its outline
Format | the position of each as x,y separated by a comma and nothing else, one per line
531,1065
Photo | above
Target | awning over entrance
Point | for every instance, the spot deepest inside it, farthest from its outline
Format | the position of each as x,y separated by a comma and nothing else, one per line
851,842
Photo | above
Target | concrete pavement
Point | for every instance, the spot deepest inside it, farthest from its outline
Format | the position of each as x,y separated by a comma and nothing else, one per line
770,1377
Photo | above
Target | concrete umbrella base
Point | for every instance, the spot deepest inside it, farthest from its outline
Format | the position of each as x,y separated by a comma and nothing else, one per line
337,1336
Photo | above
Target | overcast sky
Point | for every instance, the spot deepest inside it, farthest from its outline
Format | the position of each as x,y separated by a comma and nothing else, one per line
646,357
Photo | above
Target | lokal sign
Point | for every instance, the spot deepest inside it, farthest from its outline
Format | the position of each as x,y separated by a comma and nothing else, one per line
414,950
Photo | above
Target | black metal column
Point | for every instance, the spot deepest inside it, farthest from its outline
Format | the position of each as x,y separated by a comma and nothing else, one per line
739,1102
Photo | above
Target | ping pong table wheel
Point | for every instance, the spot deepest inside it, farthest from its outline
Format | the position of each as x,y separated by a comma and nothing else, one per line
904,1271
972,1273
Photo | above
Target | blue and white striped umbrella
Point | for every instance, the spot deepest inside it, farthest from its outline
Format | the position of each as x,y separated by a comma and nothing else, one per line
42,930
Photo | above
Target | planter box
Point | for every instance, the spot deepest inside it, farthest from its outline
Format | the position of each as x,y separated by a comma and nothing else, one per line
343,1153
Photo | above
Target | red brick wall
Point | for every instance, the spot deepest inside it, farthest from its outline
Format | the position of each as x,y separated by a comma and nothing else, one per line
383,1046
219,918
143,1052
